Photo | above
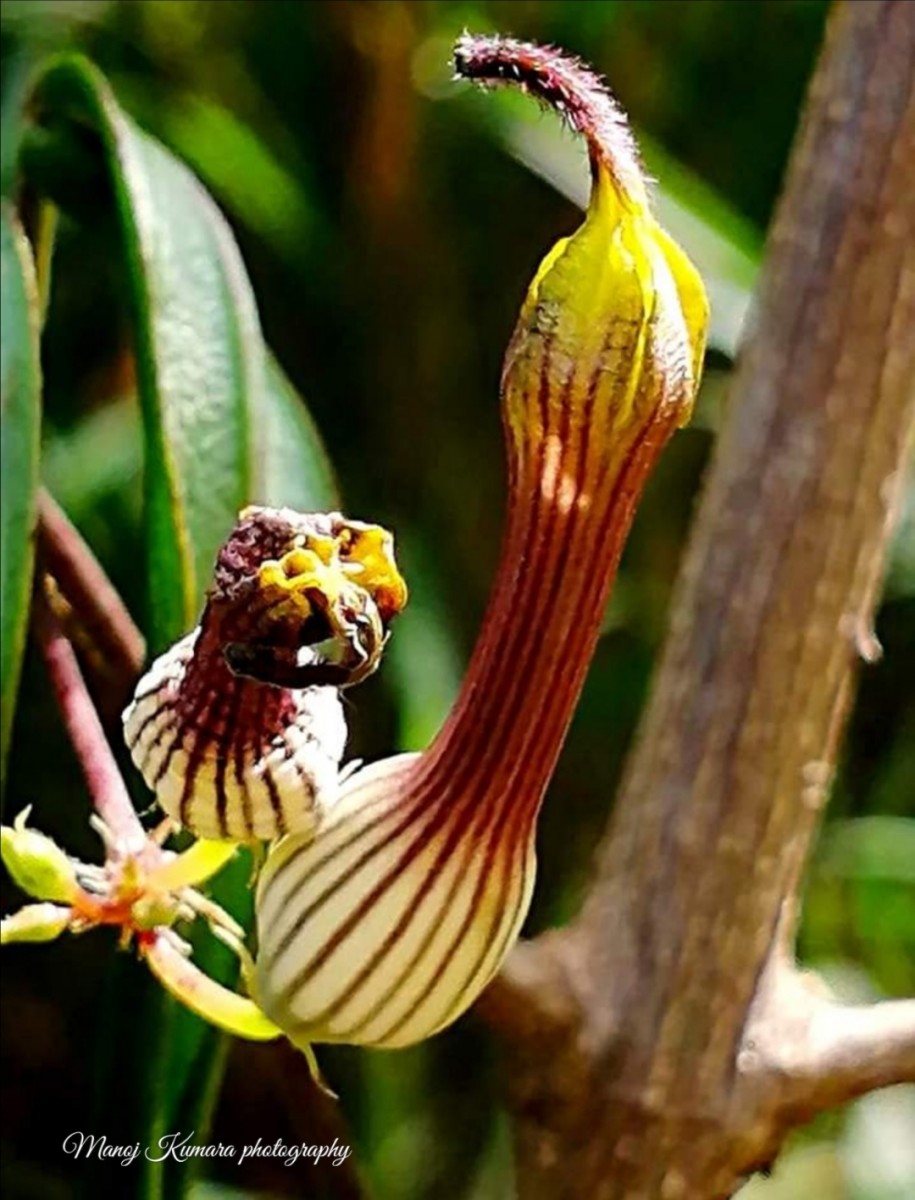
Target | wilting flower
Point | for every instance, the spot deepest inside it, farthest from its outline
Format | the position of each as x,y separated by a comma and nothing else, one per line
385,924
299,608
239,727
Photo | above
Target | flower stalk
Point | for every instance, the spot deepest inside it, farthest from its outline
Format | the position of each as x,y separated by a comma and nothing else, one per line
101,612
106,786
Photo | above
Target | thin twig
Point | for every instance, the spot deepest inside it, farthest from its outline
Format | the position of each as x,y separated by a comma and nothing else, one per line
854,1049
106,785
816,1053
89,590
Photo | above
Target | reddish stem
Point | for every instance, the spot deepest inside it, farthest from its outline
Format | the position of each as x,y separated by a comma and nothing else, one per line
86,586
106,785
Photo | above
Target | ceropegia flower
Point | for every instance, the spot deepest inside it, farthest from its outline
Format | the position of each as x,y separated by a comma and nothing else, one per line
239,727
384,926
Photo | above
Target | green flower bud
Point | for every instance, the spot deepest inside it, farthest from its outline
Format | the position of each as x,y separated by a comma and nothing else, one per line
36,865
35,923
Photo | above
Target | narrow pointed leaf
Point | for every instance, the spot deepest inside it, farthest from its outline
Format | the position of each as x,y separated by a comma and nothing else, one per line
199,354
20,377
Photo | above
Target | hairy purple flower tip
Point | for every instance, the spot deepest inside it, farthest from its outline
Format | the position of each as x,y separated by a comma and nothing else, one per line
564,84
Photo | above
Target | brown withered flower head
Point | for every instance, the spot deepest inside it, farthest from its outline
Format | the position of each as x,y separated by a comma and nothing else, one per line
239,728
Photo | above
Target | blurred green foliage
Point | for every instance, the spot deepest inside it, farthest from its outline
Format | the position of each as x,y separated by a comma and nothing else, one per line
390,222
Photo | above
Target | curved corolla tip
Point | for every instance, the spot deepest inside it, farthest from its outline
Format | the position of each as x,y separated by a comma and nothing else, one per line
615,319
564,84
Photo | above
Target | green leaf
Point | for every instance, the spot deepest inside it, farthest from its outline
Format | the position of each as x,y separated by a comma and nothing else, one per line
251,182
101,456
199,354
865,848
901,575
860,898
222,428
20,396
17,70
294,470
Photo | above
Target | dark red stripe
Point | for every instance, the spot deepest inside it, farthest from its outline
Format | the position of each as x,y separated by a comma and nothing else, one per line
147,721
222,743
494,842
201,744
458,834
276,802
422,791
326,859
166,728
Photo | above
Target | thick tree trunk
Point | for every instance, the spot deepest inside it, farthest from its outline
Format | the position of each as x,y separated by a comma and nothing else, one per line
664,1044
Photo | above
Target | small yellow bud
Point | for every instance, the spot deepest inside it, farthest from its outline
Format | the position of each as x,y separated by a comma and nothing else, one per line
35,923
36,865
152,912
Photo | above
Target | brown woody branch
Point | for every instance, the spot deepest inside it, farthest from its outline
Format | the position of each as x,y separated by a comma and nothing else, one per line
675,1063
